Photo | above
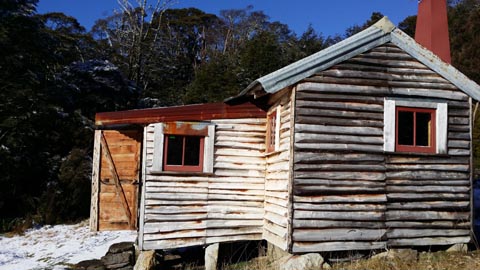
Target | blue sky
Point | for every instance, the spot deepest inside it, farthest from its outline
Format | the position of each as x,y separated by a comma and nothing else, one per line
326,16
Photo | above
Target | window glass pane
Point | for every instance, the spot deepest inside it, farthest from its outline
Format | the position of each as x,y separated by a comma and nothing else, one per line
423,129
192,150
405,128
175,149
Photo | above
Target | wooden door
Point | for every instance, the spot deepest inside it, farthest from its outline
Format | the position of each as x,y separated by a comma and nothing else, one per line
119,175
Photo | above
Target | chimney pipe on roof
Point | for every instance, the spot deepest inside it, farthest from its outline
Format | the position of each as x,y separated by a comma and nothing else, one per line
432,27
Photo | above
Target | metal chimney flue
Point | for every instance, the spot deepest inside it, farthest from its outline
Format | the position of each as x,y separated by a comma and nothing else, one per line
432,27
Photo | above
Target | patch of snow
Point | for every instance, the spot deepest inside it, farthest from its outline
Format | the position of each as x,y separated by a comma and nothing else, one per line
52,247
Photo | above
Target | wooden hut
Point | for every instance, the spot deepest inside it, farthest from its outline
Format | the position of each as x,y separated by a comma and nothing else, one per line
364,145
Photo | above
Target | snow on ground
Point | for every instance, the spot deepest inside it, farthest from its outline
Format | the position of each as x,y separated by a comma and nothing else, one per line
52,247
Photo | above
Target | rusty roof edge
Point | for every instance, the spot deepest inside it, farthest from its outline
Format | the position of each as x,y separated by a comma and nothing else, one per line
192,112
375,35
432,61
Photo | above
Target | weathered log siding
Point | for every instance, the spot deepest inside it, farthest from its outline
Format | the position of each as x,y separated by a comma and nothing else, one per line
277,181
188,209
348,193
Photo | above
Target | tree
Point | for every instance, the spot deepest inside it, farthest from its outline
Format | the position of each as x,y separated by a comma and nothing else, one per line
375,17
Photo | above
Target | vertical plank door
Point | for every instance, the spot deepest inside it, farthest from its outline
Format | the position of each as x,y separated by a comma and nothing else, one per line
119,178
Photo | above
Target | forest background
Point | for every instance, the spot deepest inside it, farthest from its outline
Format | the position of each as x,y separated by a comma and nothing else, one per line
55,75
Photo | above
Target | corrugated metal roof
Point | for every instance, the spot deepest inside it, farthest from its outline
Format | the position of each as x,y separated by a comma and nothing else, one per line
378,34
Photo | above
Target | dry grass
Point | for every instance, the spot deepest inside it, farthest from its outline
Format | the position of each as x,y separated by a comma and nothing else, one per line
426,261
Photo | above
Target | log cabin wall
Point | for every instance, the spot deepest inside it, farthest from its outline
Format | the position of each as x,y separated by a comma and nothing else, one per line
277,179
182,210
349,193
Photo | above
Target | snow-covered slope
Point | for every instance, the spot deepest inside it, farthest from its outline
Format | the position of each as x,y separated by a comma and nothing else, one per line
52,247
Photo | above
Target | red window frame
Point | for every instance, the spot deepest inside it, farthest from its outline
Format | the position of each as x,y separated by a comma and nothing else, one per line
271,131
416,148
183,168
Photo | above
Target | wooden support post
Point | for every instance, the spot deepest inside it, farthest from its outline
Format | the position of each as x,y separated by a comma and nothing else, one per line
211,256
95,182
118,187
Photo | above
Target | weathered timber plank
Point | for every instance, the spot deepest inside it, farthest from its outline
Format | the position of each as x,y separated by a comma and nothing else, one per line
428,189
372,198
232,238
301,95
276,240
427,196
306,247
174,235
338,146
315,120
339,114
345,105
425,160
318,190
426,174
350,234
403,215
161,227
433,167
444,224
242,186
228,210
415,233
369,131
277,219
339,207
306,157
276,185
233,231
334,215
214,196
368,176
381,90
249,192
339,182
416,182
429,241
459,152
173,243
175,209
275,229
176,196
388,76
335,138
319,224
239,173
281,211
152,218
234,223
339,167
277,201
